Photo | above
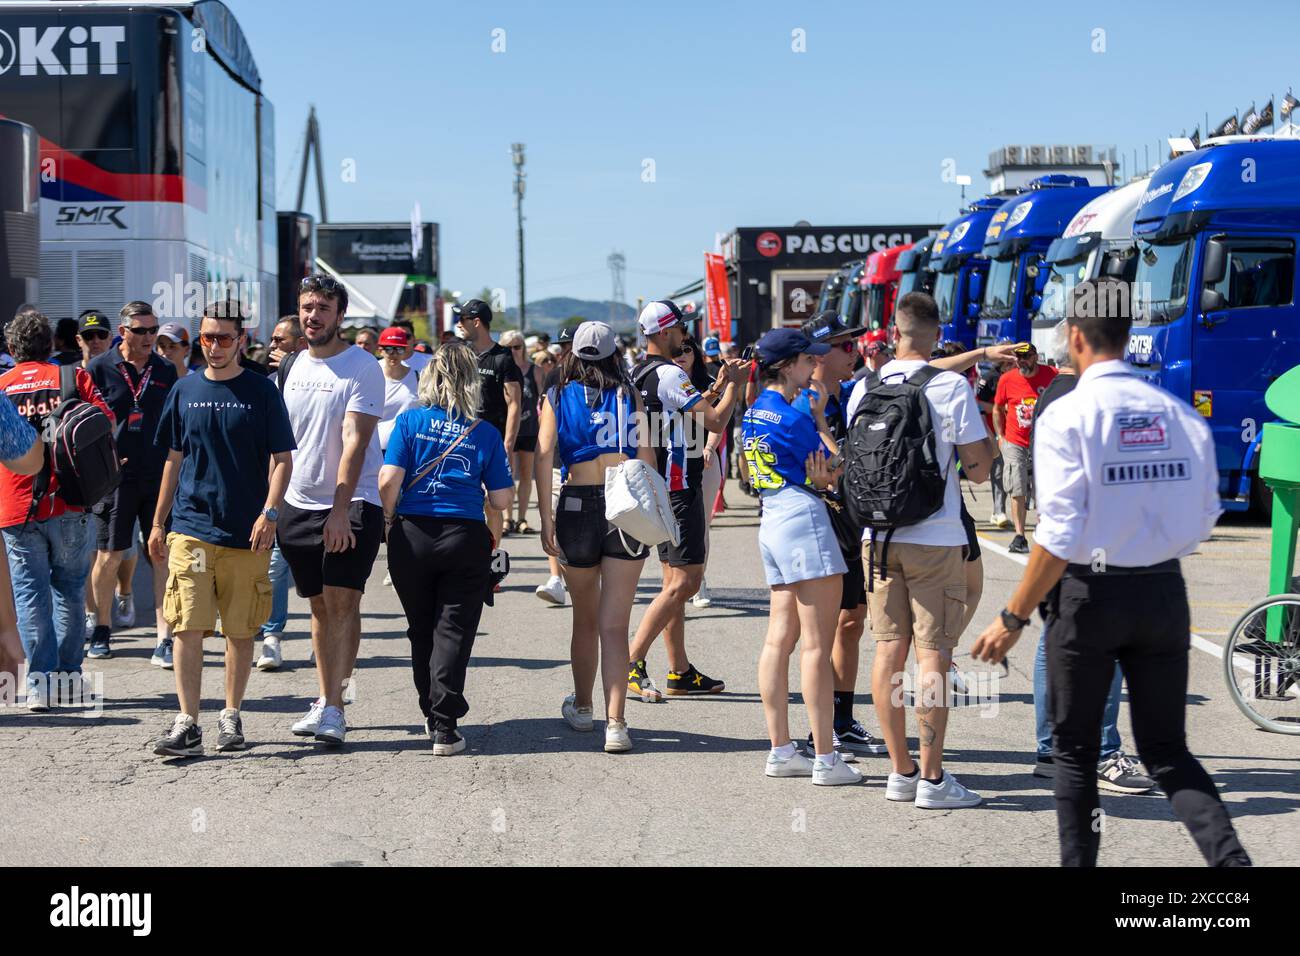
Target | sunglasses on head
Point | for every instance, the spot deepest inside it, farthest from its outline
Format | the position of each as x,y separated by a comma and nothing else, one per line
224,339
327,283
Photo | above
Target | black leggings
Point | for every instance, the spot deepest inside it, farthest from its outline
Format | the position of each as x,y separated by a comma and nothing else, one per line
440,571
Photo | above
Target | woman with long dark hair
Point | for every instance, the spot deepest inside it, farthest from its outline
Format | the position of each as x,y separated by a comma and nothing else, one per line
440,459
590,421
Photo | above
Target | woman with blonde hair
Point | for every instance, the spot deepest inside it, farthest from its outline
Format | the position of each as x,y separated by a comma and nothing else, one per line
440,459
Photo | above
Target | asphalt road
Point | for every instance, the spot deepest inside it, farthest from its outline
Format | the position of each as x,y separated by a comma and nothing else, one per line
86,789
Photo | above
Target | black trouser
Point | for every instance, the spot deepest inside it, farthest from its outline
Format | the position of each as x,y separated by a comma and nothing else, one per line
1142,621
440,572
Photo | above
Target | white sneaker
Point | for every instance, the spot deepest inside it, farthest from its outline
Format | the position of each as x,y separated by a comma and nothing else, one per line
91,621
310,722
948,795
38,697
1000,520
617,740
333,727
796,765
579,718
552,592
388,579
836,774
902,789
272,656
702,597
123,614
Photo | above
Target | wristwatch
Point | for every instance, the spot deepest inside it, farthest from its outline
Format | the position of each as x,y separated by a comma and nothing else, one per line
271,514
1013,623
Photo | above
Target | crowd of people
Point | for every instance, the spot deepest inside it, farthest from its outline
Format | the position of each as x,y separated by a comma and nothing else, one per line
239,477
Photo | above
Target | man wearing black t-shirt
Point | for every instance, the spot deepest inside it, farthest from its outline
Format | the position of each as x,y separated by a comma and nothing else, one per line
503,384
135,381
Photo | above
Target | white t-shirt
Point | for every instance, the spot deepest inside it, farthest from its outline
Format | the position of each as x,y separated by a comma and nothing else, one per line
416,361
956,418
399,395
318,393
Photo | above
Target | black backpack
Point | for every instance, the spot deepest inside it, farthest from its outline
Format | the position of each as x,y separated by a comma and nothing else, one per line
891,470
81,452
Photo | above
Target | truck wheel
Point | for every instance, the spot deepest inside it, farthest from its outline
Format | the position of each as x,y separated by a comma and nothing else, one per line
1261,498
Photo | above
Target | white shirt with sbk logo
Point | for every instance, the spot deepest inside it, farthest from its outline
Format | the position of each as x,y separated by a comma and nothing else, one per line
1124,473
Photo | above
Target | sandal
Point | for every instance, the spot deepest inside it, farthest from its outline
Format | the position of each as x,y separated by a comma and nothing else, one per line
510,526
523,527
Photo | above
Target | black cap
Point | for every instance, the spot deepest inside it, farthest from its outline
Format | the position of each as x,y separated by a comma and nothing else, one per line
91,319
786,343
566,335
474,309
828,325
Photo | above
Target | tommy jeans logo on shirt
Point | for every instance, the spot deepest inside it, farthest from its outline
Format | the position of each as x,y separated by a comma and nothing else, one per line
1142,431
220,405
1177,469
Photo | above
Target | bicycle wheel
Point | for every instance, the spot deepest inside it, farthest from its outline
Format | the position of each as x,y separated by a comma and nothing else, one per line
1263,676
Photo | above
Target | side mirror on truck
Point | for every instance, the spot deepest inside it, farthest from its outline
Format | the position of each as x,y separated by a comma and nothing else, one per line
1211,301
1216,262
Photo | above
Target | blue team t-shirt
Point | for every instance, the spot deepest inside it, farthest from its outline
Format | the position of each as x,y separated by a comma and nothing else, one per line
226,433
778,438
454,489
587,423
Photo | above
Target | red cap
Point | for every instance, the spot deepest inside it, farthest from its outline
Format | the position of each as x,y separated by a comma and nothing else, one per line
395,336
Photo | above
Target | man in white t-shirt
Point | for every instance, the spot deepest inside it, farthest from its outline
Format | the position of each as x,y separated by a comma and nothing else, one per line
919,599
332,524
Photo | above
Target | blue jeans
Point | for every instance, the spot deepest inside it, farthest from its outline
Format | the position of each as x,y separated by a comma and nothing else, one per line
48,562
1109,719
281,578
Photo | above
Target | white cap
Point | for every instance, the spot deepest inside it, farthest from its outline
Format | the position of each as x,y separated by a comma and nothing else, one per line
659,315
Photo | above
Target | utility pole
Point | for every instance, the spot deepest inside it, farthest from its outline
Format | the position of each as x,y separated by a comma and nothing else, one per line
312,141
617,263
517,153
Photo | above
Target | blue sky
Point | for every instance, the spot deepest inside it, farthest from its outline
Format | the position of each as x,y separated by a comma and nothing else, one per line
742,130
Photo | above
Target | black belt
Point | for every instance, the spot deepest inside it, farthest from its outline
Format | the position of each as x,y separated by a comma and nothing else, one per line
1111,570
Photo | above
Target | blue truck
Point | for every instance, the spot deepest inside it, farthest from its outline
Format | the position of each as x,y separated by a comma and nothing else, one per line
1215,317
1016,241
915,274
960,268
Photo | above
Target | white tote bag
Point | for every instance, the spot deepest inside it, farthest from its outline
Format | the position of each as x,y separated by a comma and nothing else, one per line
636,498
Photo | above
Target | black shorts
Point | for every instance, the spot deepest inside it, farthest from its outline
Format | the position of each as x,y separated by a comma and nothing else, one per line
854,594
688,507
132,504
301,536
526,443
583,535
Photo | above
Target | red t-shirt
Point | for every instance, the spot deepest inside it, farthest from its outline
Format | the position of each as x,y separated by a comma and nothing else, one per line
34,388
1018,395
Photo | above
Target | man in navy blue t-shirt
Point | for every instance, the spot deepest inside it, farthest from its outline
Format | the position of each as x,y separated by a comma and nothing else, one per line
229,445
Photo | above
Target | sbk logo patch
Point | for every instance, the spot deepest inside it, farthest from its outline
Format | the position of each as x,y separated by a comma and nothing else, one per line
1142,431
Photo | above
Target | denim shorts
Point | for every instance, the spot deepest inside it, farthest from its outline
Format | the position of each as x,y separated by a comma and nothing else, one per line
796,539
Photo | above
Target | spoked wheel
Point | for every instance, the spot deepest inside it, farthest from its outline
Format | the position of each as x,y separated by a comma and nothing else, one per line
1264,676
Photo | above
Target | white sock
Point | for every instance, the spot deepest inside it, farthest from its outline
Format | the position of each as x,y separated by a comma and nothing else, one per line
828,759
785,753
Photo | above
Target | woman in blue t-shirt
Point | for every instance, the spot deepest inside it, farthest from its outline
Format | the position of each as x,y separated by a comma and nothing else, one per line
787,454
589,419
439,460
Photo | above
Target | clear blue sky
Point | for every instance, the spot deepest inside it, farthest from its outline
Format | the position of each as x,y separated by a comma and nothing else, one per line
742,130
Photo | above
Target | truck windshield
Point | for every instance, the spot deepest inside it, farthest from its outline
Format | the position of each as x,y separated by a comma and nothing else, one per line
945,294
875,311
1000,287
1160,286
1059,285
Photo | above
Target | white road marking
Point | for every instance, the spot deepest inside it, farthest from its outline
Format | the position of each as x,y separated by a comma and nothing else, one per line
1198,642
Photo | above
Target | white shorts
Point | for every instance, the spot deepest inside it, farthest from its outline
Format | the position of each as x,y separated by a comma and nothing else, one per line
796,539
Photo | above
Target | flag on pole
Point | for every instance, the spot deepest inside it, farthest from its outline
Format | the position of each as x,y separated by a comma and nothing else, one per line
1289,103
717,296
1265,115
1196,137
1250,123
1229,127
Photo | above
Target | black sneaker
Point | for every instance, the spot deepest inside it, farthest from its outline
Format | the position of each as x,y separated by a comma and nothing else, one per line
184,739
692,681
848,756
99,649
640,686
1018,545
1119,773
230,731
447,742
855,738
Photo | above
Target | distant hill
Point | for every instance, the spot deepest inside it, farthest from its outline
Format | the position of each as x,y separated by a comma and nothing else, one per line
545,315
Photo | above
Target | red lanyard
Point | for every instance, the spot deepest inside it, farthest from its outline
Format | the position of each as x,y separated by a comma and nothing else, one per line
136,390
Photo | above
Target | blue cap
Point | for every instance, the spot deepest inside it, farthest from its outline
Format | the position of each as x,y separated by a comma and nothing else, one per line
711,347
786,343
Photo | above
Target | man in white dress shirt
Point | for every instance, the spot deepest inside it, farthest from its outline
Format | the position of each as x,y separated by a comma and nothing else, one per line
1127,486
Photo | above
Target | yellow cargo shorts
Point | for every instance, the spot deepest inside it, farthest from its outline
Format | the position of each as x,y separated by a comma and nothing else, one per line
205,580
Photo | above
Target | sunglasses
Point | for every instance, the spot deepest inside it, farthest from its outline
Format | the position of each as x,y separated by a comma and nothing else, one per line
142,329
90,334
848,348
224,339
392,349
684,350
311,283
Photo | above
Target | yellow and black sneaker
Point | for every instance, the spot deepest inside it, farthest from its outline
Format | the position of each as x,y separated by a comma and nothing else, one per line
692,681
640,685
